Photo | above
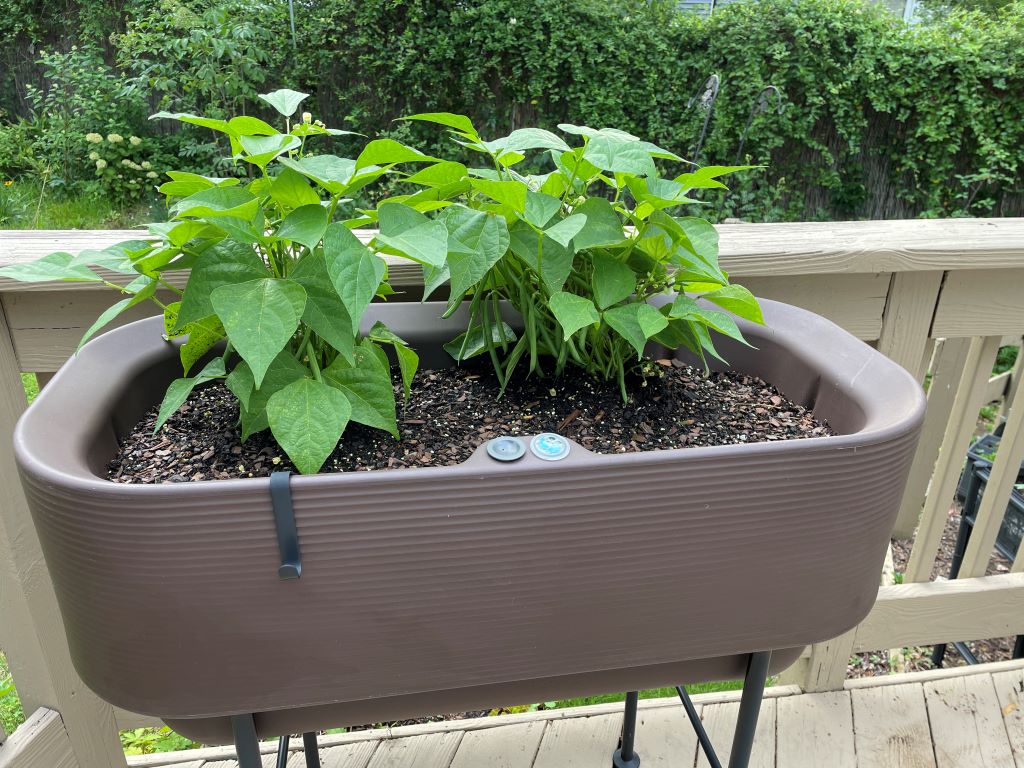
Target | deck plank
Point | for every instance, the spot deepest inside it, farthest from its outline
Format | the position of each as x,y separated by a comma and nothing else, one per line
510,746
967,727
345,756
720,723
816,730
586,742
432,750
665,739
891,727
1010,692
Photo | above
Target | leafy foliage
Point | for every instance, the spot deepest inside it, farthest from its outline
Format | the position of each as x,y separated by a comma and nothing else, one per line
273,278
579,250
877,119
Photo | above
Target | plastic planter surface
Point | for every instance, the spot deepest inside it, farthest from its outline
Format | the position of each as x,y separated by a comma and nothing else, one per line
485,584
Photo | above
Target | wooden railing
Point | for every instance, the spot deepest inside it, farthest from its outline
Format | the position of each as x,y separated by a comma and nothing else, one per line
936,296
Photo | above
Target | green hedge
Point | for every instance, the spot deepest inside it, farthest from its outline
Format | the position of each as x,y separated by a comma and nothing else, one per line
878,120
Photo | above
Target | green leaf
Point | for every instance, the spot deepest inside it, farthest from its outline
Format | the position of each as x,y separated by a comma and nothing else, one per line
354,270
55,266
636,323
548,258
225,263
260,317
603,227
366,383
305,225
460,123
705,178
203,336
289,189
408,361
217,201
565,230
253,414
510,193
244,125
529,138
540,208
107,316
613,280
572,312
332,173
307,419
389,151
722,323
202,122
611,152
260,150
284,100
325,312
472,342
737,300
180,389
412,234
438,175
476,242
683,307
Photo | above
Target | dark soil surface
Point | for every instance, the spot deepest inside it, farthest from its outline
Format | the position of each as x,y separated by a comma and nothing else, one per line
453,411
873,663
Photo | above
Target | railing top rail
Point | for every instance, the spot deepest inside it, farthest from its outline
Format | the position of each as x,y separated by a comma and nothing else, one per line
746,249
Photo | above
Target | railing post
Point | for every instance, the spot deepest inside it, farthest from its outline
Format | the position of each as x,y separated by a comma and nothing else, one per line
906,325
33,634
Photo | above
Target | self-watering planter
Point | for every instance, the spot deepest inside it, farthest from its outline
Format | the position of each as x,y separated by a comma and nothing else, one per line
489,583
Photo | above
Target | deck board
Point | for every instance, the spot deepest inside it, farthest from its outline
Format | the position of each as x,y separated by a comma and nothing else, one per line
816,730
891,727
947,718
967,725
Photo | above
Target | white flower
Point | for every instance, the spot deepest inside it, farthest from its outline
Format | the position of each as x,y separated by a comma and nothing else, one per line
93,138
94,155
513,21
115,138
146,164
126,161
151,175
134,141
307,118
101,164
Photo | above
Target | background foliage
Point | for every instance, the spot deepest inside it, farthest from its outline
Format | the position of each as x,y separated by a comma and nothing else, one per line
877,119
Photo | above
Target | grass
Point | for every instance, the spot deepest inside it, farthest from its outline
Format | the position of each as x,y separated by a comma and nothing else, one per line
652,693
11,714
28,381
26,205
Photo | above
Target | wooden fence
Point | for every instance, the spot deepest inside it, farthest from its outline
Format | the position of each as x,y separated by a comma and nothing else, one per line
936,296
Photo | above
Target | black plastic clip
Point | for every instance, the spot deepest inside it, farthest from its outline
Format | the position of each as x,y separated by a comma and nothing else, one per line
284,520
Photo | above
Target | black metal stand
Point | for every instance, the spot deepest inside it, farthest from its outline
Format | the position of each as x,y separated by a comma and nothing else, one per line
247,745
746,723
972,498
625,756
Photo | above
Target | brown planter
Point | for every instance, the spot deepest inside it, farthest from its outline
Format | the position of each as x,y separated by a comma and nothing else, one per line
452,588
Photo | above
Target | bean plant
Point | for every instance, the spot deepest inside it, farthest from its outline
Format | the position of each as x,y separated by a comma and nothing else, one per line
579,251
277,288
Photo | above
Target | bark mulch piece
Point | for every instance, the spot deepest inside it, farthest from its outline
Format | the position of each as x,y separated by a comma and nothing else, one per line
452,411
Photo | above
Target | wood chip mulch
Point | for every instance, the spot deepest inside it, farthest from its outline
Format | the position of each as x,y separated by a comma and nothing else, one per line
452,411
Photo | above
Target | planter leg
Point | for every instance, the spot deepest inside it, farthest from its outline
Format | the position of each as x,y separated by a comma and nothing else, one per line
282,751
247,745
625,756
698,728
750,708
311,749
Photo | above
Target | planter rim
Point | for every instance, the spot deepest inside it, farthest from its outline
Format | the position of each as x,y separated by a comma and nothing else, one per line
783,322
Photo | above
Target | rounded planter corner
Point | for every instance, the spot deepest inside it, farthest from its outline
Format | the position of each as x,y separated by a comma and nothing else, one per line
484,584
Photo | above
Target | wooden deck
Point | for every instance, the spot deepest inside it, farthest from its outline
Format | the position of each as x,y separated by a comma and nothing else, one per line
956,718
